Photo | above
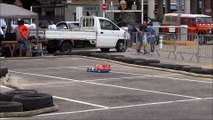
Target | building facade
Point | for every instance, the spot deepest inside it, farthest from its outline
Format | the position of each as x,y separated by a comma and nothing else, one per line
59,10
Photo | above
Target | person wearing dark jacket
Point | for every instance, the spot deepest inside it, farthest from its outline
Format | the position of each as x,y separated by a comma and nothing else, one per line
142,37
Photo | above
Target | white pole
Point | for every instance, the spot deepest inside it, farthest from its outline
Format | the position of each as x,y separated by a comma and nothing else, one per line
151,8
31,9
187,6
103,10
142,11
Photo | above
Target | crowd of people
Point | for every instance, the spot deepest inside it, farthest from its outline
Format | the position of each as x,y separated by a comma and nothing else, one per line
22,32
146,38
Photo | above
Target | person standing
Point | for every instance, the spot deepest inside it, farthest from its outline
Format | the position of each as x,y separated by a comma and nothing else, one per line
3,28
142,37
32,26
23,36
51,25
151,38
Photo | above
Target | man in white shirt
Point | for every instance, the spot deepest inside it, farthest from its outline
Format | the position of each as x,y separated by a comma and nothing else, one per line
32,26
3,27
51,25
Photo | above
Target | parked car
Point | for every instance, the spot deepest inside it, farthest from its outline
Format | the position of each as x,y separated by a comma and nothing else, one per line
68,25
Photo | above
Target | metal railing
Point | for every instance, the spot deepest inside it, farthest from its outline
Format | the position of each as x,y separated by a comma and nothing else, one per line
184,46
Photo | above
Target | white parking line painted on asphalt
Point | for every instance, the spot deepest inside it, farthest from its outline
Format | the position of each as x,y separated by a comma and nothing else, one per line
81,102
173,78
51,68
125,107
180,79
53,83
109,85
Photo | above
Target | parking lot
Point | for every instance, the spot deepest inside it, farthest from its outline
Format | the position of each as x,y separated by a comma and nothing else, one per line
126,93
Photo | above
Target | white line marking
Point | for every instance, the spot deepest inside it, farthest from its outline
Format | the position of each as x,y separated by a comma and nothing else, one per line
52,68
81,102
124,107
173,78
109,85
52,83
180,79
142,90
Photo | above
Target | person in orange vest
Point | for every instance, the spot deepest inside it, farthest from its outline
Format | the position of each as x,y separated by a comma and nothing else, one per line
23,35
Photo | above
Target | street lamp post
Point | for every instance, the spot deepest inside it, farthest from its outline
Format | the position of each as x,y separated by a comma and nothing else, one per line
142,11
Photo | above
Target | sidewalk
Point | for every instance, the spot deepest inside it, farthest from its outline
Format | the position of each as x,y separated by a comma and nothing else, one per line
204,62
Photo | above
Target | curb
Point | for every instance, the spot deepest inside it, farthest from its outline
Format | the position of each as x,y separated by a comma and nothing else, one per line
6,82
30,113
152,68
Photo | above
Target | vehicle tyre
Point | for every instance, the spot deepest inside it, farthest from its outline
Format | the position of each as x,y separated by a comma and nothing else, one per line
118,58
66,47
208,71
120,46
188,68
178,67
153,61
121,59
104,49
155,64
33,101
168,66
128,60
9,106
8,96
85,53
199,71
102,55
141,62
3,71
52,47
94,54
113,56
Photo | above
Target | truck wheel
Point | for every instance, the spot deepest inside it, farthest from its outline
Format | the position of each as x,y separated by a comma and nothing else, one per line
66,47
105,49
52,47
120,47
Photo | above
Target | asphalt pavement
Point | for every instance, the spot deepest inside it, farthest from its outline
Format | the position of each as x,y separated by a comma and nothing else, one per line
126,93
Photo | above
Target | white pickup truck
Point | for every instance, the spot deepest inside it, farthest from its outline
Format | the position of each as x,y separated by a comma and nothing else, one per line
93,31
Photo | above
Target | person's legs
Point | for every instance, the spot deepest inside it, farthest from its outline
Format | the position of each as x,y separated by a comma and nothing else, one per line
23,45
139,43
152,44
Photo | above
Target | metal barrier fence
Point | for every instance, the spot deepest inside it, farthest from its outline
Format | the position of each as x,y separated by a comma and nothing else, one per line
182,45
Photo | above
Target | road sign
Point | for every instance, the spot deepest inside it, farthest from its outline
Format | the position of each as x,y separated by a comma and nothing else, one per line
123,4
104,6
155,11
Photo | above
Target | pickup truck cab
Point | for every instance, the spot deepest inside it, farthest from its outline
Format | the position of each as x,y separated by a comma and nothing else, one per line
93,31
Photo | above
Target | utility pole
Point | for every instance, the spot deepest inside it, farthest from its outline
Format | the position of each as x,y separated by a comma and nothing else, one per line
142,15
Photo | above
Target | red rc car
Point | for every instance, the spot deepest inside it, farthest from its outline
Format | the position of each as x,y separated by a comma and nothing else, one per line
99,68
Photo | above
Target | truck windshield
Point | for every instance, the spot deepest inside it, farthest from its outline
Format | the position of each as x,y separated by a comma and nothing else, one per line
204,20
